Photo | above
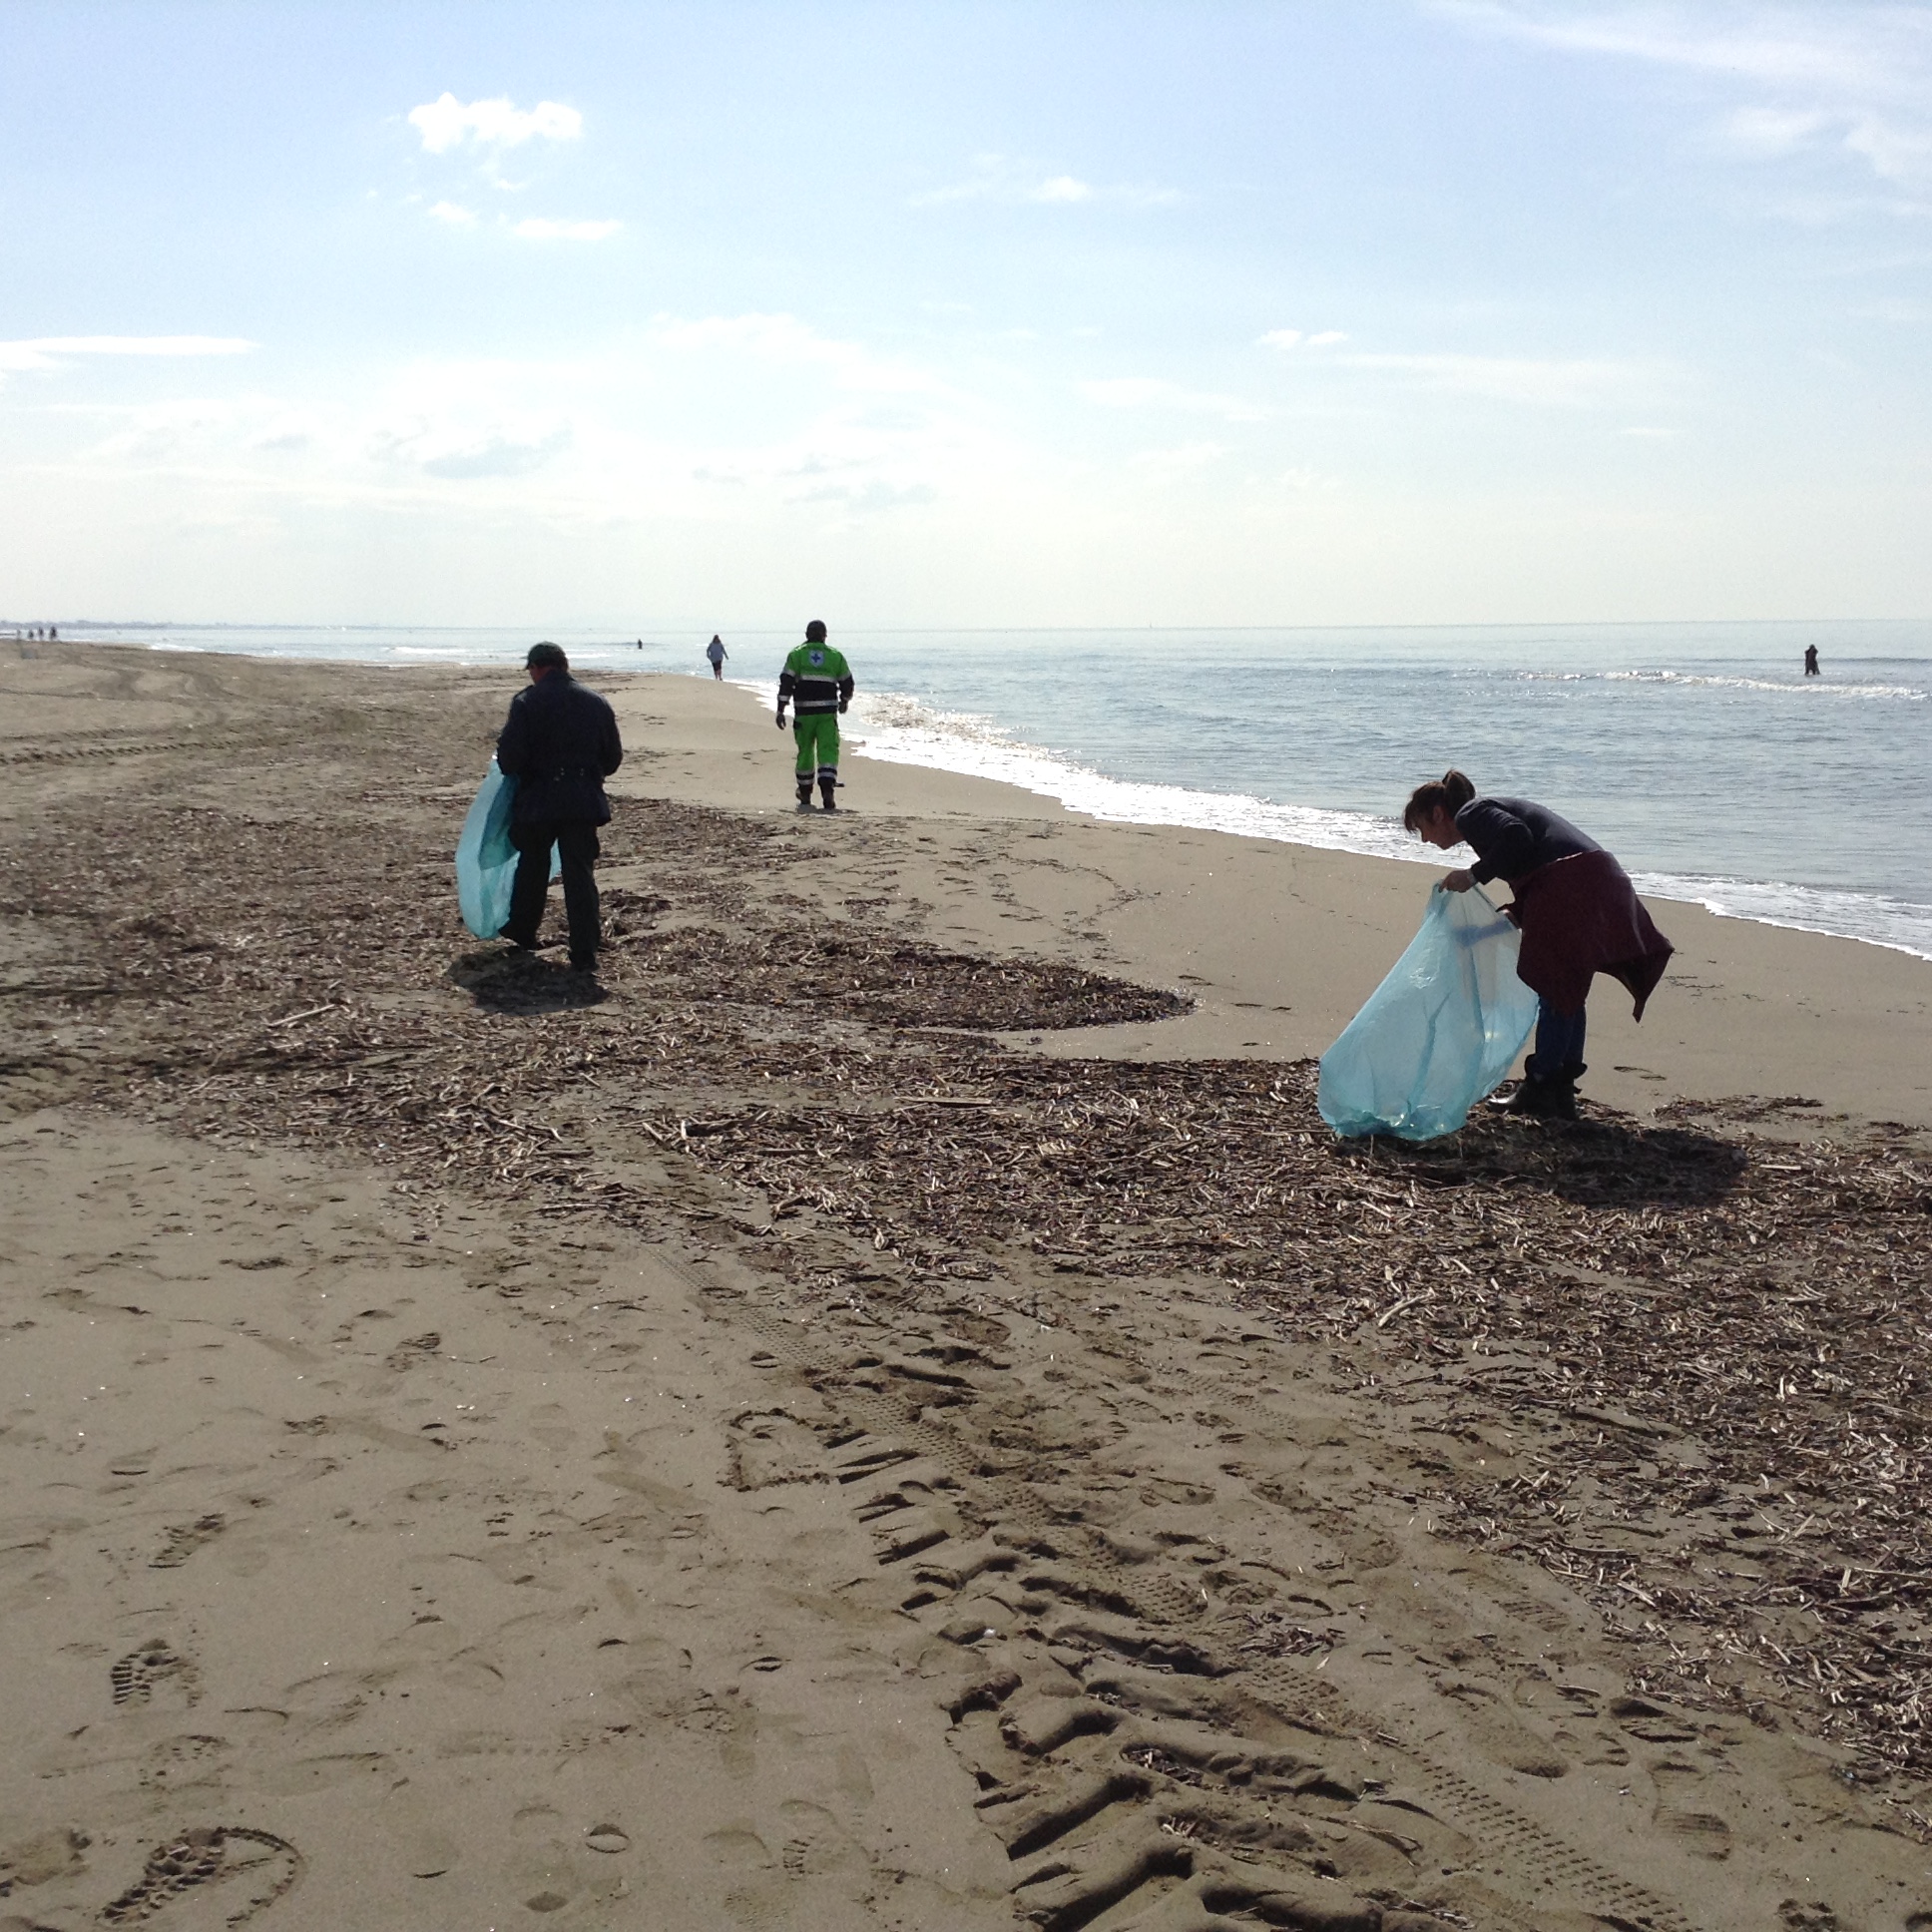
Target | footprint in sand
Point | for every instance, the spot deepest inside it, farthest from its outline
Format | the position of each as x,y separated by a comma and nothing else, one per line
737,1847
138,1675
180,1540
1502,1736
816,1842
45,1856
1701,1833
251,1869
179,1762
771,1448
414,1353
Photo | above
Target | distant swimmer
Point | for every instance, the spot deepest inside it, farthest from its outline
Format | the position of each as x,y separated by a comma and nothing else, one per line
560,744
716,652
1576,907
818,681
1811,660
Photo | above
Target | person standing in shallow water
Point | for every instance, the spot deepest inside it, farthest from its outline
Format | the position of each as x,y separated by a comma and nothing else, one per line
560,742
716,652
1811,660
1576,909
817,682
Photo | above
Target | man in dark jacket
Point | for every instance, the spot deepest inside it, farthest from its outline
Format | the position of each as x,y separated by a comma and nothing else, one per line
560,744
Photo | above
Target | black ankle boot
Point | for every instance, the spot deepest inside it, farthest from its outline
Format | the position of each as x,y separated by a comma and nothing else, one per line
1553,1099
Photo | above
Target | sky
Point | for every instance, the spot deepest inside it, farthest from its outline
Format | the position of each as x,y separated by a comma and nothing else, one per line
1320,311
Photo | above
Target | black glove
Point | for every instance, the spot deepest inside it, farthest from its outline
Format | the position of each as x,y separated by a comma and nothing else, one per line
841,708
782,717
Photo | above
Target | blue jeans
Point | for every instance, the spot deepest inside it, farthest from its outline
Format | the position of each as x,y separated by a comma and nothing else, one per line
1559,1043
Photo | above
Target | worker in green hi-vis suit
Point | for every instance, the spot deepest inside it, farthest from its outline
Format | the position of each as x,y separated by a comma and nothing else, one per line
817,682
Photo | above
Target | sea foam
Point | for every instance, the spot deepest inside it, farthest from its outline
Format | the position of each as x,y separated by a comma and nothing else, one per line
900,730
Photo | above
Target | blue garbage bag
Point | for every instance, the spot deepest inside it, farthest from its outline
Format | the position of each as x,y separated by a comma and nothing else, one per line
486,862
1439,1033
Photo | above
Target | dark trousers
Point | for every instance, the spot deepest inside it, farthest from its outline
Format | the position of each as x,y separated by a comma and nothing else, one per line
1559,1043
578,847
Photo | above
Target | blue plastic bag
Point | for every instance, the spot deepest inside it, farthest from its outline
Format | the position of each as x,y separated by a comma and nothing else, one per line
486,862
1439,1033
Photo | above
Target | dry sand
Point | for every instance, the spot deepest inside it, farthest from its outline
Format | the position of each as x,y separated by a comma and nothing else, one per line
770,1446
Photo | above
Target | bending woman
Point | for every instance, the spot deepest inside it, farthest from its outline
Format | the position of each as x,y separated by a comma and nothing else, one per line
1578,911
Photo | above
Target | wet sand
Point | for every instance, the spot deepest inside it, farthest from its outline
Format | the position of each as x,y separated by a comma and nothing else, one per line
858,1420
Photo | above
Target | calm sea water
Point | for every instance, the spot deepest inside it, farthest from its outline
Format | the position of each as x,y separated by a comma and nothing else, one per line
1700,753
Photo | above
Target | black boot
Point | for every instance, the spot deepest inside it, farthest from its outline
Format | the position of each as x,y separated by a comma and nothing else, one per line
1551,1096
825,788
1566,1083
805,794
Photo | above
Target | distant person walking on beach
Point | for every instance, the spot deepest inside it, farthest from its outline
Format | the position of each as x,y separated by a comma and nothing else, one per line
560,744
1811,660
1576,909
716,652
818,682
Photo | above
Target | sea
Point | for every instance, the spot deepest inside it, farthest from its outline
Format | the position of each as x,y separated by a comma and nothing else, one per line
1700,753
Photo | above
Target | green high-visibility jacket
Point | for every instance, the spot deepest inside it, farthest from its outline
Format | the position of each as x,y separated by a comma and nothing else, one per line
816,679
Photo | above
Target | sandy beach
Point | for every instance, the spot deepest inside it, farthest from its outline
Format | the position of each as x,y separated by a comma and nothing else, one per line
891,1411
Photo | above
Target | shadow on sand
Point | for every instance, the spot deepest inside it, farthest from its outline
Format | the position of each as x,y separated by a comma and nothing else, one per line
1603,1161
513,982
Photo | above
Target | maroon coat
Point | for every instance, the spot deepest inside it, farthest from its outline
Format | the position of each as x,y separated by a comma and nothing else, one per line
1581,916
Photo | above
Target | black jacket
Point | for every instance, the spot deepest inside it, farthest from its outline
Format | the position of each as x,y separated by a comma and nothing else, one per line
560,744
1512,838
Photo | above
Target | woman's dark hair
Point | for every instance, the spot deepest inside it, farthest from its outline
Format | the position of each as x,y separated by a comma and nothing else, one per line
1449,794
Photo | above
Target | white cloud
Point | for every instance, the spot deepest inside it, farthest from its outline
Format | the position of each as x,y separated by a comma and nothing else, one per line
450,211
1152,392
1293,338
1896,309
290,430
1503,378
447,122
778,338
43,351
1543,381
1854,79
783,341
498,455
538,230
452,438
1768,132
1183,459
166,431
870,497
996,178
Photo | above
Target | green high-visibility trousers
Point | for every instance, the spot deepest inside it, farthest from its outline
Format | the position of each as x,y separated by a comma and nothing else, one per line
817,738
